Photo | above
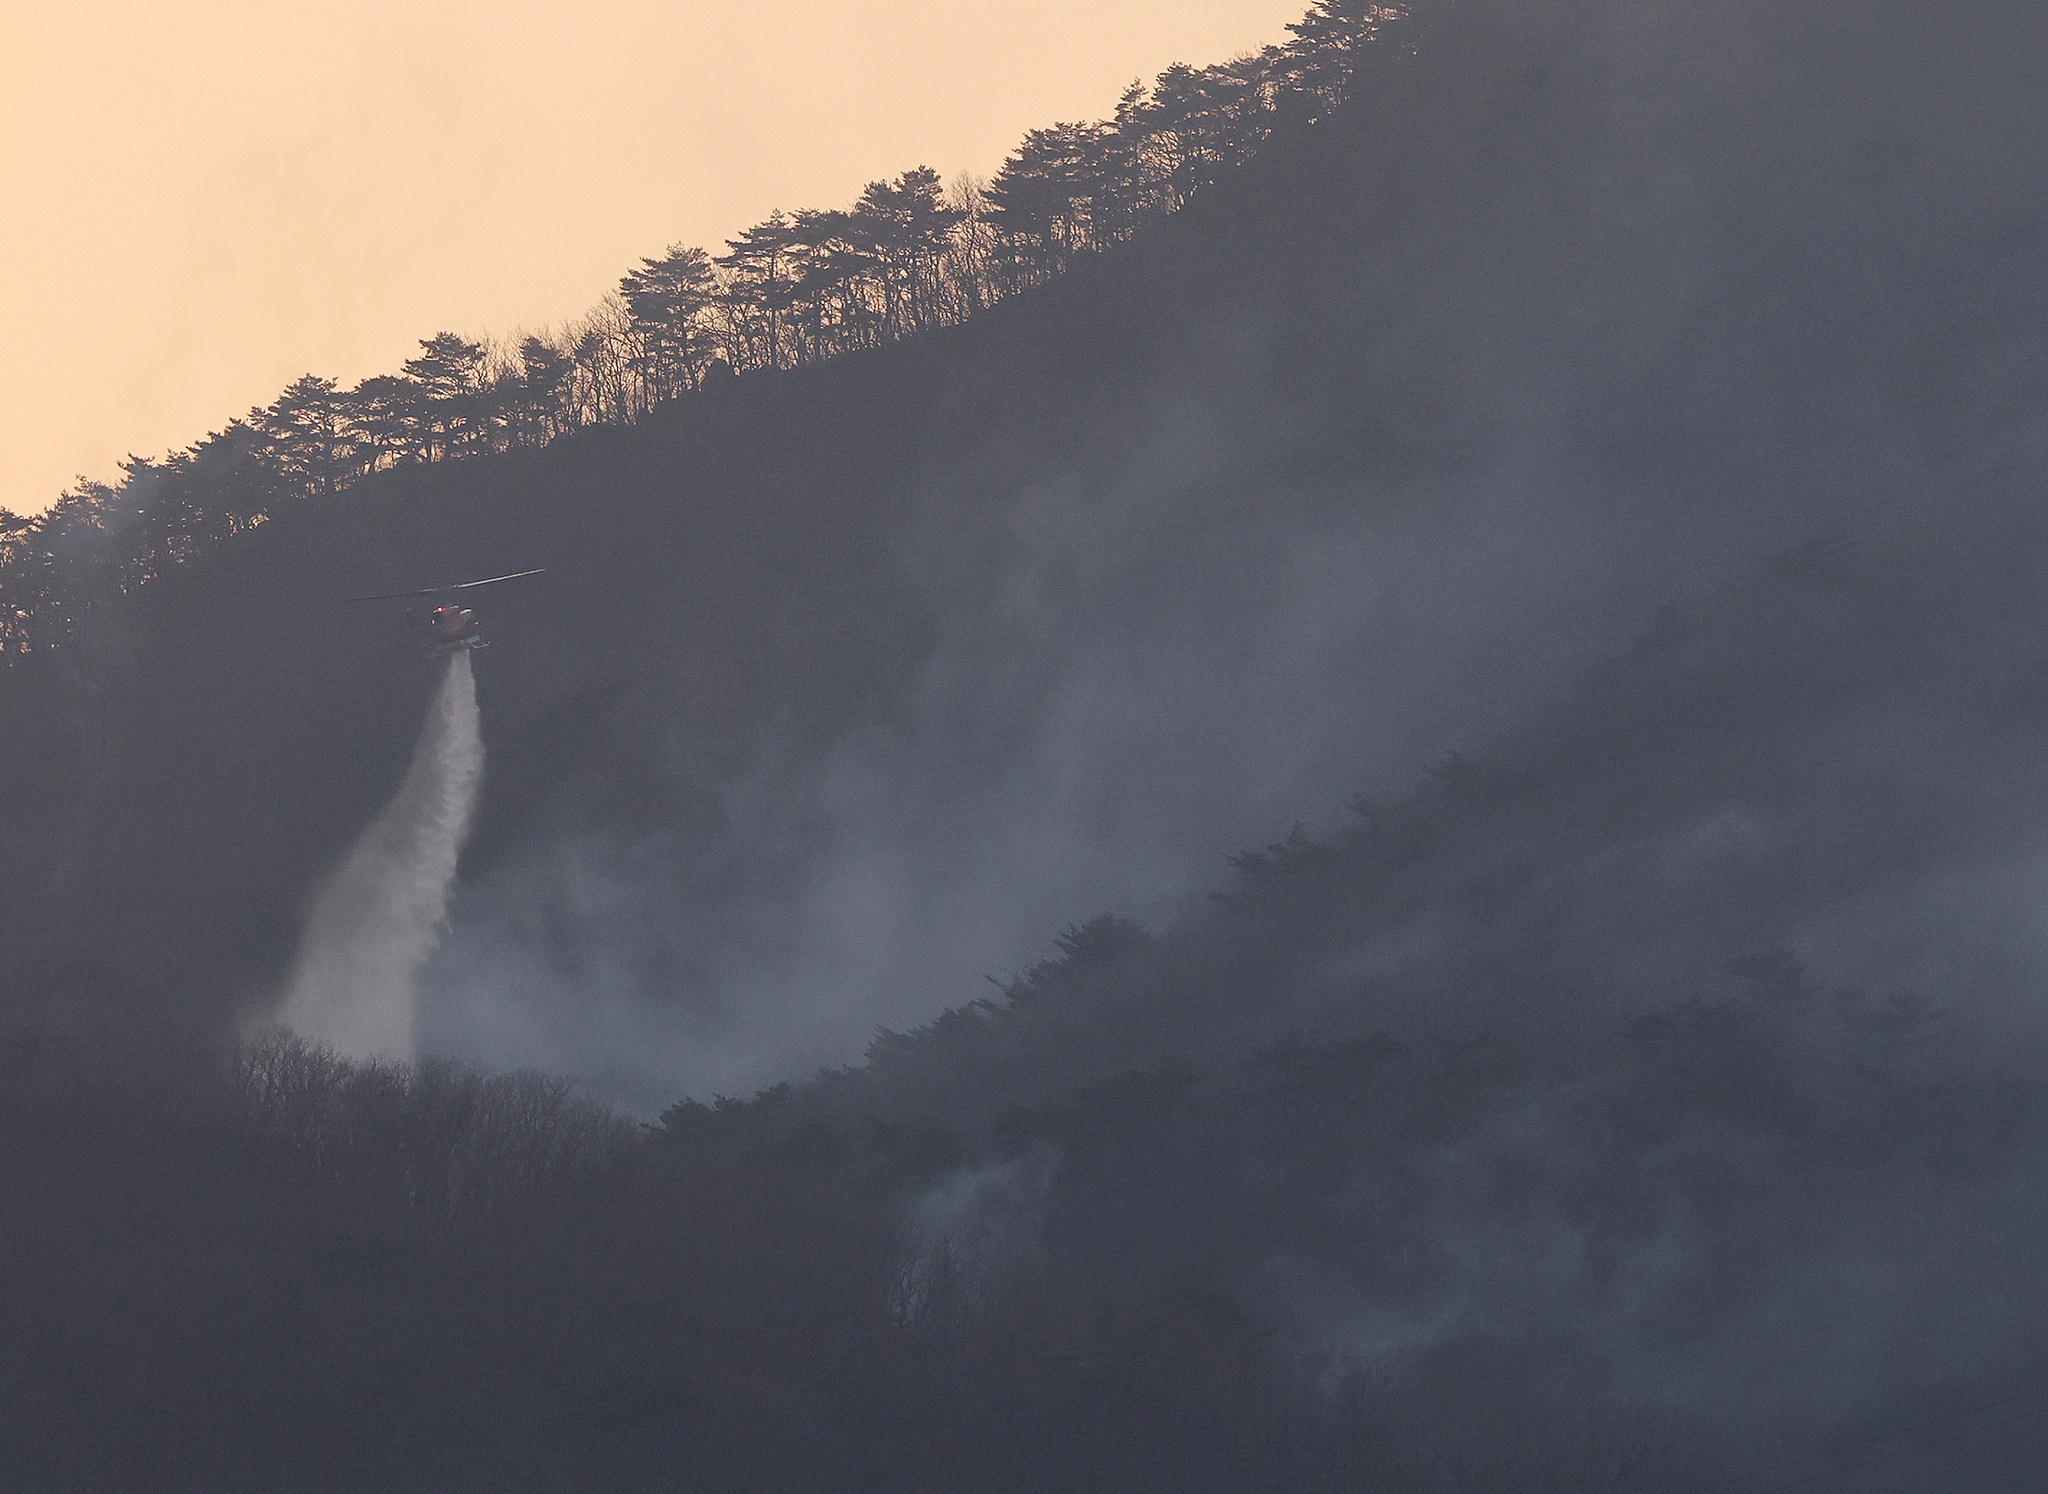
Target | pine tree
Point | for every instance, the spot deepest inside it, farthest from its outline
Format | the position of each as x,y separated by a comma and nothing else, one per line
449,374
667,298
1329,43
308,436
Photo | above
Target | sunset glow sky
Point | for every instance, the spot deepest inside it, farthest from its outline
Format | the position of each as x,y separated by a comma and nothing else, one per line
206,200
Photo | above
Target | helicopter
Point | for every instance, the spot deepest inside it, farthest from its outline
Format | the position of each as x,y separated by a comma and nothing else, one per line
452,625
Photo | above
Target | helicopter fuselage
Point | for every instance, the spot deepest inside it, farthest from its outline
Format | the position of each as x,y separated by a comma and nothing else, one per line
454,627
450,625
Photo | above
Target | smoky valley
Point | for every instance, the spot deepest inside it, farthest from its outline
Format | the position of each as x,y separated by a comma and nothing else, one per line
1345,787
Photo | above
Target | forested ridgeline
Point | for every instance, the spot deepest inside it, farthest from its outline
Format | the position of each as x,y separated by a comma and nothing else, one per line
183,662
908,256
851,683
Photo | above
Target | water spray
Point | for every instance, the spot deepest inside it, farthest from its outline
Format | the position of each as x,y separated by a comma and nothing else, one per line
379,915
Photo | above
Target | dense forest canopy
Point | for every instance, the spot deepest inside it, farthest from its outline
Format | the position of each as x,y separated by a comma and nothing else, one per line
907,256
1598,445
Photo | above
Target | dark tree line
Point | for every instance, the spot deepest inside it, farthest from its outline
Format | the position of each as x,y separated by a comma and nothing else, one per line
909,255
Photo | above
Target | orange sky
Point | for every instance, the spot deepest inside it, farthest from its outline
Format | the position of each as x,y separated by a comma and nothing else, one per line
207,199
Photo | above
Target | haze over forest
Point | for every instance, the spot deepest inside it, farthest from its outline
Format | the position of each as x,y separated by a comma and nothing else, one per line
1338,788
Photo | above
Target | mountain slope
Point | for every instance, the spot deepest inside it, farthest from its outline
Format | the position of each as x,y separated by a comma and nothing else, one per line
849,686
1610,452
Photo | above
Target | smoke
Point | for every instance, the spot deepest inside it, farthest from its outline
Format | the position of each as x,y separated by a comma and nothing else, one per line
379,916
968,1233
1637,296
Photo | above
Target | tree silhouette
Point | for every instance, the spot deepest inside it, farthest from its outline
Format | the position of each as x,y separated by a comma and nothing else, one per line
965,268
449,374
1331,39
387,415
224,485
667,298
762,273
308,435
904,257
903,228
19,578
1040,201
537,408
832,304
1198,121
605,385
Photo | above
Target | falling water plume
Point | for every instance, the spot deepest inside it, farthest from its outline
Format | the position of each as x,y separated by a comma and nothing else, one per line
379,915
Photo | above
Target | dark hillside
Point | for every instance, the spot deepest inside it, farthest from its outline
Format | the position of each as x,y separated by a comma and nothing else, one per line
1528,1133
1606,457
849,685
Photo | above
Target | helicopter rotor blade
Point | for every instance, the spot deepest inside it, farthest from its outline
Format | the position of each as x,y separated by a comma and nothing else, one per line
394,596
490,580
435,591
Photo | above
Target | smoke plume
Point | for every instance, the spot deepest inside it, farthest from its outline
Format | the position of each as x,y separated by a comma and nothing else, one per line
379,915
